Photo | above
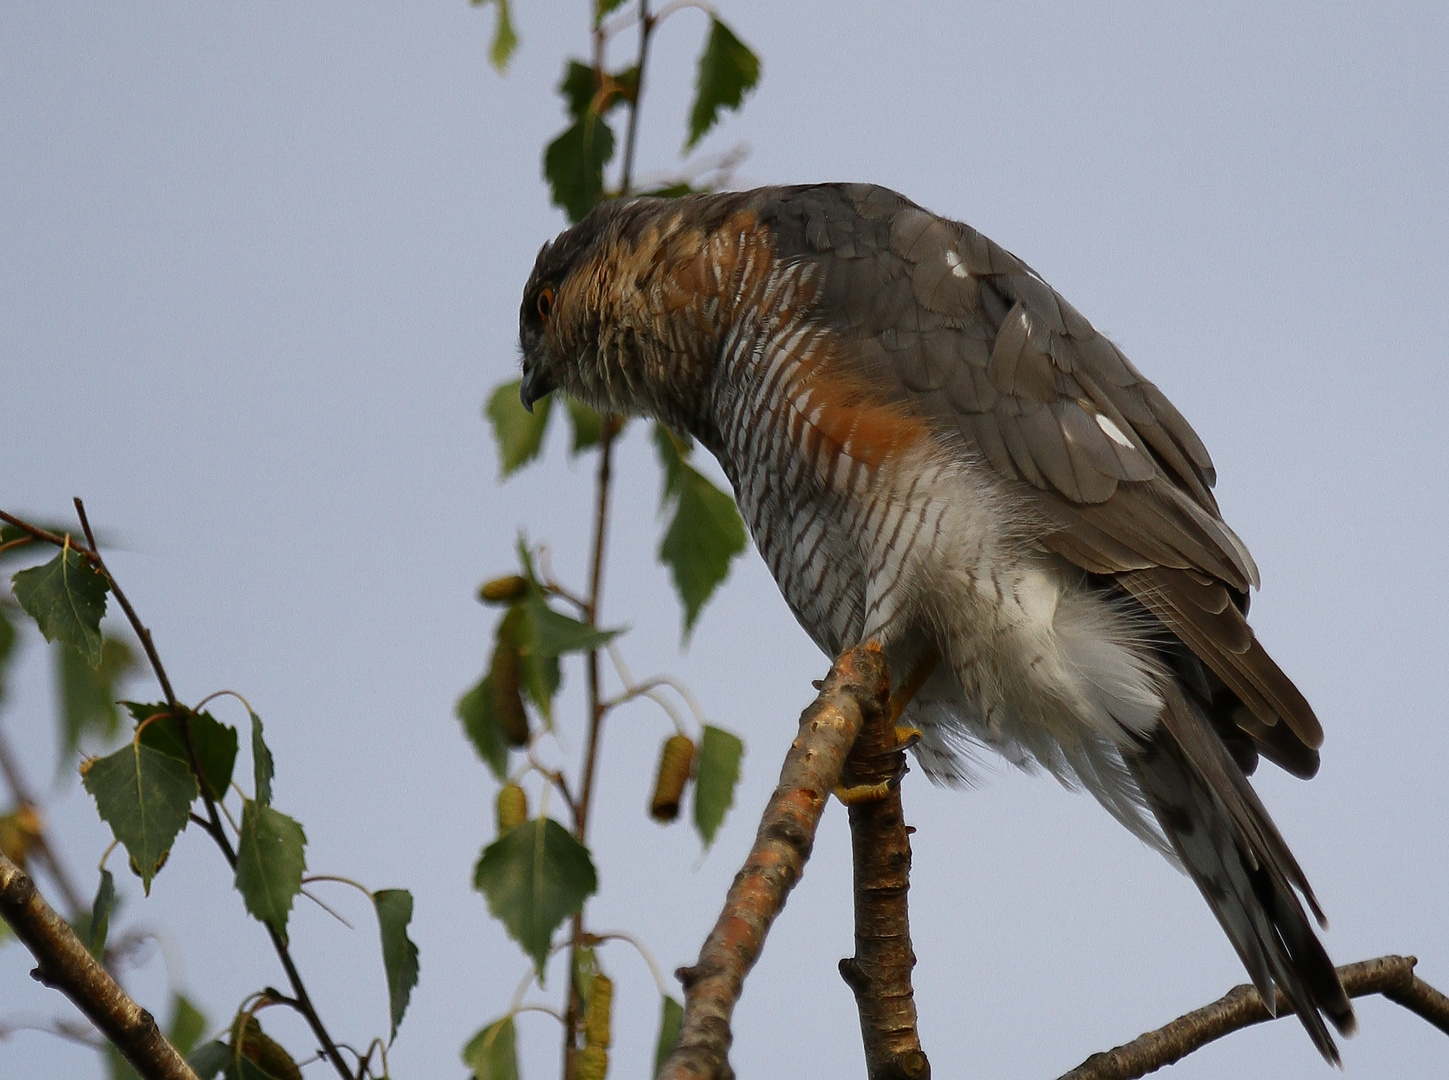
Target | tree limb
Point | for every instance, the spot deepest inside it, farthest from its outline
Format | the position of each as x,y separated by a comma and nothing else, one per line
880,972
828,729
1392,976
66,965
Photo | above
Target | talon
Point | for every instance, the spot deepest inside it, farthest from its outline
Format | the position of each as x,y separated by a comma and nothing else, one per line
907,737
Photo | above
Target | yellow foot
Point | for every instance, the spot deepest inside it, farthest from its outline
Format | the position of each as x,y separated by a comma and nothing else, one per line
863,793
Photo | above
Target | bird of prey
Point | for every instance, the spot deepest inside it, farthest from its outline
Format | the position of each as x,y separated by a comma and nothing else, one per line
934,451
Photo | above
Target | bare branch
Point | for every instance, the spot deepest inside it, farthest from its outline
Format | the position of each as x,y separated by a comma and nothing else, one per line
812,769
66,965
880,972
1392,976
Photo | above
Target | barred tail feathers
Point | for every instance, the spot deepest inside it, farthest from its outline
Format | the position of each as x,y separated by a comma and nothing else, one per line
1234,853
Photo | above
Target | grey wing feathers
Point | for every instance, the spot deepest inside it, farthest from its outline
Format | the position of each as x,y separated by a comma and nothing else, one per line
1123,484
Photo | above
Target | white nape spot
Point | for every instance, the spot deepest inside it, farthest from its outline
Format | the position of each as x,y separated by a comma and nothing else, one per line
1113,431
954,262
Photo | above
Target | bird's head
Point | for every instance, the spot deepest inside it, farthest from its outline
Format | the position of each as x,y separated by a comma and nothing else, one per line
618,311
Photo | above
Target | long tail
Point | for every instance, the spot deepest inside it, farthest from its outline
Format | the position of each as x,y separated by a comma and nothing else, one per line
1235,854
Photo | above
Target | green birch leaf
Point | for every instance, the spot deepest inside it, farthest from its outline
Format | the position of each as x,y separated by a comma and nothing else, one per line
588,427
88,695
209,1059
475,710
586,966
505,39
518,432
671,1019
188,1023
145,797
66,597
603,7
270,862
538,670
714,783
577,88
727,71
263,767
555,634
101,909
215,742
704,534
535,876
8,637
492,1054
399,954
117,1067
573,165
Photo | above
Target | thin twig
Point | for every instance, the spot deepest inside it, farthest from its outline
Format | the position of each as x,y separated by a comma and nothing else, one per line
1392,976
67,965
212,823
828,729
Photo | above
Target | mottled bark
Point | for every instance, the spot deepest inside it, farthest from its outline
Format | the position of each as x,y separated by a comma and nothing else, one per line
65,964
880,972
1392,976
813,767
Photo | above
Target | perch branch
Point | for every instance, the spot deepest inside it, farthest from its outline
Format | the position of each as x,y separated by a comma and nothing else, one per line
812,769
1240,1007
880,972
65,964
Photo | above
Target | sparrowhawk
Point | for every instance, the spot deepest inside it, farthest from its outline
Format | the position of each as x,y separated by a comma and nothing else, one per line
935,451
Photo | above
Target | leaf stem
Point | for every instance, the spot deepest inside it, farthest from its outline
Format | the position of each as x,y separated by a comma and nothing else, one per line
213,823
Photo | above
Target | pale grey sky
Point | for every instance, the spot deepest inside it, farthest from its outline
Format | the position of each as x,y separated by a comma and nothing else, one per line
260,266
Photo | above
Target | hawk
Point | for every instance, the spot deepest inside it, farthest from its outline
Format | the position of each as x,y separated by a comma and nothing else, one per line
933,450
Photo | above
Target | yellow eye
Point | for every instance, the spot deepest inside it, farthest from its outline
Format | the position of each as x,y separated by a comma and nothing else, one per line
545,302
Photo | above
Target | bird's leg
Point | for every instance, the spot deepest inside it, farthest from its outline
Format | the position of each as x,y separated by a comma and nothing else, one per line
904,737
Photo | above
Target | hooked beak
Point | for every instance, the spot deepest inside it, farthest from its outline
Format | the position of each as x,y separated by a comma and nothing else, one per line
535,385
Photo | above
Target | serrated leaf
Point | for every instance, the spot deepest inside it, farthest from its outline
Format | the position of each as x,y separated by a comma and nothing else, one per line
492,1054
518,432
671,1019
535,877
714,782
574,164
263,767
727,71
555,634
577,87
215,742
538,670
145,797
101,914
210,1058
603,7
399,954
704,534
475,710
88,695
271,858
588,427
188,1023
67,598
